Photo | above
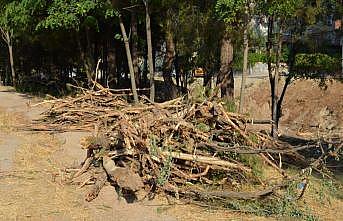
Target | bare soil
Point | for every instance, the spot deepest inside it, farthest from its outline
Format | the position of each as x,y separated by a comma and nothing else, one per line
303,105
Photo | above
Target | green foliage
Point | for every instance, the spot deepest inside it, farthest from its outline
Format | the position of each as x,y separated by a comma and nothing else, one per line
196,92
230,105
203,127
230,11
71,14
165,171
283,9
18,16
254,162
312,65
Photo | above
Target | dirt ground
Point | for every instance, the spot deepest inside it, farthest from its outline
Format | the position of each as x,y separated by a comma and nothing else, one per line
303,108
29,189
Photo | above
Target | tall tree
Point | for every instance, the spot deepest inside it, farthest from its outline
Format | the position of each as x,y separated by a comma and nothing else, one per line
292,16
74,16
8,26
225,78
149,43
129,59
134,45
247,18
230,12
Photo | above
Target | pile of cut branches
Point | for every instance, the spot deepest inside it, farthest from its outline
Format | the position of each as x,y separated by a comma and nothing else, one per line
180,148
82,111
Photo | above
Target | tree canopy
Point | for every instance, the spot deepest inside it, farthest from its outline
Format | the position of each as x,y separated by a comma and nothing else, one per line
63,40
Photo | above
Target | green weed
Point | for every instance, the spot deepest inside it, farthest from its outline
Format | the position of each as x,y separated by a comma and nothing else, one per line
165,171
230,105
254,162
285,206
203,127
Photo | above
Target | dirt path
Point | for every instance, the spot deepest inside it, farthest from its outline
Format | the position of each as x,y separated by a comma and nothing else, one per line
28,162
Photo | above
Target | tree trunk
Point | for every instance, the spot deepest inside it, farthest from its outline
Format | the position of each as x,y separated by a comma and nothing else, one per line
225,78
150,58
10,51
245,67
274,76
177,70
7,38
170,87
276,114
271,72
129,60
135,46
291,61
86,60
112,68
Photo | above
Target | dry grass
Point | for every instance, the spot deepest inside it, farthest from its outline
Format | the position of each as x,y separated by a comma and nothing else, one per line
324,199
29,192
6,121
192,212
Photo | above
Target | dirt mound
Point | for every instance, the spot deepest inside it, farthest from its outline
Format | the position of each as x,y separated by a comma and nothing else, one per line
304,106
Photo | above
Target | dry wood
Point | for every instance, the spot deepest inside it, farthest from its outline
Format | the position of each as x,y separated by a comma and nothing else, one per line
245,150
84,167
206,160
100,182
153,146
239,195
121,152
124,177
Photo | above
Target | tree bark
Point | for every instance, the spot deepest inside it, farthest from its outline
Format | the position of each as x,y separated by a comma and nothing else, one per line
276,112
129,60
10,51
245,66
86,60
274,76
7,38
170,87
135,46
272,81
291,61
225,78
112,68
150,58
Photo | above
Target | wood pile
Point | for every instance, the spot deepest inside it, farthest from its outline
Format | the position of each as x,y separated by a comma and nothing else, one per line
177,147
